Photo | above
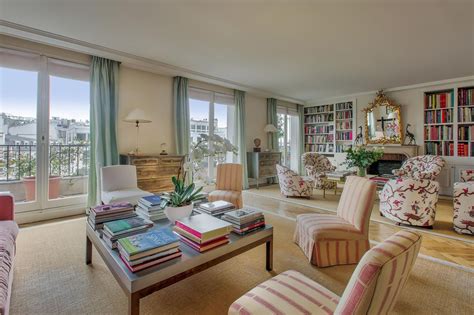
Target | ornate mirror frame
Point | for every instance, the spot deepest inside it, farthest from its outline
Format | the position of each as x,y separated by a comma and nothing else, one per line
382,100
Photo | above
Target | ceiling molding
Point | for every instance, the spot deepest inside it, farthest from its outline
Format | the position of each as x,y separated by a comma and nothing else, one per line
130,60
395,89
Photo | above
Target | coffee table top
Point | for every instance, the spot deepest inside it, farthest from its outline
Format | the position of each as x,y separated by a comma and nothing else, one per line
190,258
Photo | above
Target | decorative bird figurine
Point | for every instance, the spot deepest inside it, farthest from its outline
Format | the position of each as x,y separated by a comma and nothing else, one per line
410,136
359,139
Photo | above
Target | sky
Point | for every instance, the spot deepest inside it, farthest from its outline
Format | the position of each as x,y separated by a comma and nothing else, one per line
18,95
200,110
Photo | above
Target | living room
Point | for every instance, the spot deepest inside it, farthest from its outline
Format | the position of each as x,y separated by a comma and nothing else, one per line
337,172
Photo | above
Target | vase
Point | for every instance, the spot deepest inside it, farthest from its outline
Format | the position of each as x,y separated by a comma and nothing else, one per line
362,172
30,187
176,213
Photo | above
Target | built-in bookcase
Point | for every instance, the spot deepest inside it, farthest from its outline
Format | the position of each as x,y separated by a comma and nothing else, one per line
329,128
449,122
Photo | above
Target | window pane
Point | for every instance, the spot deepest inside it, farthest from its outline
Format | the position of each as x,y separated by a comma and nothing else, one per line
225,127
199,115
69,133
18,103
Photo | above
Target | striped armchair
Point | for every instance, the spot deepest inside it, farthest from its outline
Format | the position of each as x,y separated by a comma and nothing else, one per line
340,239
228,184
373,288
463,219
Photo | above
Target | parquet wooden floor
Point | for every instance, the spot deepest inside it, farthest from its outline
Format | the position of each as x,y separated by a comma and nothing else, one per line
450,250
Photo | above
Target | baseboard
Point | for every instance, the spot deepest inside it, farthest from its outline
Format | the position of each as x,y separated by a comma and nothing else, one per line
49,214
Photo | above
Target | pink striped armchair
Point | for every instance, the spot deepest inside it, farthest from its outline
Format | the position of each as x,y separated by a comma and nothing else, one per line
463,219
340,239
228,184
373,288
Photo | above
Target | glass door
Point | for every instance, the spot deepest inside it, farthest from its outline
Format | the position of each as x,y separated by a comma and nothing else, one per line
288,137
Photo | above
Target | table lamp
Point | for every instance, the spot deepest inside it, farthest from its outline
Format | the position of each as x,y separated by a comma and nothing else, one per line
137,116
269,129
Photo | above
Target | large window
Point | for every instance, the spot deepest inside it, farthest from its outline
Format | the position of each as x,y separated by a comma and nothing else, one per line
211,114
44,130
288,136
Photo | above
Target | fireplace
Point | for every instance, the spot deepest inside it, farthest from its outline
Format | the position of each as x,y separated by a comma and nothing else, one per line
387,163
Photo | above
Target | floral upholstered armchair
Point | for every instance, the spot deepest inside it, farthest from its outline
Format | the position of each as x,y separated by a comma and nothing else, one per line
421,167
292,184
410,201
464,203
316,166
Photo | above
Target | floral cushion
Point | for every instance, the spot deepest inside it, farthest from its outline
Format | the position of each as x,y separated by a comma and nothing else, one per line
421,167
292,184
464,208
467,175
410,201
316,166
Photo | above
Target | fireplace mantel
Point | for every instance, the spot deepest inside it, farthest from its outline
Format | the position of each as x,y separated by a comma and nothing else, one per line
408,150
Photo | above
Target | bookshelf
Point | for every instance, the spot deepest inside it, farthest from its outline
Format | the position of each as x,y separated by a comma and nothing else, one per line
329,128
449,122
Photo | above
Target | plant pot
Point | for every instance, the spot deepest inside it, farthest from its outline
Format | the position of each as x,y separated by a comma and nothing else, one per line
362,172
30,187
176,213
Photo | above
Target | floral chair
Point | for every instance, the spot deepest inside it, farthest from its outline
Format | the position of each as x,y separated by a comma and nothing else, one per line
292,184
464,203
421,167
317,165
410,201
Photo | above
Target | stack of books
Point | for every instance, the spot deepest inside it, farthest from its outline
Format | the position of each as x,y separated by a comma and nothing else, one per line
114,230
203,232
380,181
339,175
148,249
245,220
215,208
149,207
104,213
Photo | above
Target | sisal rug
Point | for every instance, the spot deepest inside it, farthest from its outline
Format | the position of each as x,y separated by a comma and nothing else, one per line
444,211
51,278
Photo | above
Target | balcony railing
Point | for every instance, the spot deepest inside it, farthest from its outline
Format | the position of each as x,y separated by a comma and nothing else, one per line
65,160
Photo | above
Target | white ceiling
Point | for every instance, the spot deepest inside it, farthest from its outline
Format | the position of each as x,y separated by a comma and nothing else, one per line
301,49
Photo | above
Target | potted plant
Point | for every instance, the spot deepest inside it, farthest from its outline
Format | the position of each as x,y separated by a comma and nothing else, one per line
179,203
362,157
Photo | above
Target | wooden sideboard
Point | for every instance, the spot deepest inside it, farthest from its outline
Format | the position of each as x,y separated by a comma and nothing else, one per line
154,172
262,165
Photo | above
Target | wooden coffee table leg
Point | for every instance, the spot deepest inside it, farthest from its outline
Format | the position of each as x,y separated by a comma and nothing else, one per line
133,304
88,251
269,247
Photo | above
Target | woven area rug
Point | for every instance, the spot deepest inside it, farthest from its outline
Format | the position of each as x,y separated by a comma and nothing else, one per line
52,278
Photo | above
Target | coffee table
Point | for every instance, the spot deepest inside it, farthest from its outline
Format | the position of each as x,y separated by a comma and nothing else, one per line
140,284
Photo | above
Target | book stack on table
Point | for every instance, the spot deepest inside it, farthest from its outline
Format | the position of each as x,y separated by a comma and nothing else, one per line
114,230
381,180
104,213
245,220
203,232
148,249
215,208
149,207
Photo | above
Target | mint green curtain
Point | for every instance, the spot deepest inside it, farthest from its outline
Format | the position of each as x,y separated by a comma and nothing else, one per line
239,98
272,119
103,122
181,115
301,138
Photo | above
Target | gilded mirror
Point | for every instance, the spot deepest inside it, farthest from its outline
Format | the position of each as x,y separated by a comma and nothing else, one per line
383,121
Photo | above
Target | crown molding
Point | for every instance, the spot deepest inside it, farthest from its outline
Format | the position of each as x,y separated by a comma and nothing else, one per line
129,60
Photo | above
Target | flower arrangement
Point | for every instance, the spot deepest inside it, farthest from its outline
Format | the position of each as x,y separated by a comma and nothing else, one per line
362,157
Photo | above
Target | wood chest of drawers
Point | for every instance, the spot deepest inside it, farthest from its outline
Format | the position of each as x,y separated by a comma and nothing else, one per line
154,172
262,164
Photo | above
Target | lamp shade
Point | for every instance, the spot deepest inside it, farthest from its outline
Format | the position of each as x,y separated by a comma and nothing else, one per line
270,128
137,115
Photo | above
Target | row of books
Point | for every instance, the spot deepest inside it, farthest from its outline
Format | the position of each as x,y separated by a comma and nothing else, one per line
438,132
245,220
342,147
149,207
463,149
203,232
319,139
319,118
148,249
436,117
466,114
439,148
215,208
466,96
343,135
104,213
318,129
466,133
344,106
321,148
319,109
344,115
344,125
439,100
